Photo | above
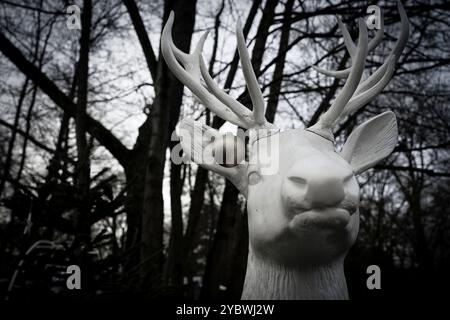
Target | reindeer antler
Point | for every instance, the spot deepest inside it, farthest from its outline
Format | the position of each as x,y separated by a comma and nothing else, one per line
213,97
324,125
351,48
351,98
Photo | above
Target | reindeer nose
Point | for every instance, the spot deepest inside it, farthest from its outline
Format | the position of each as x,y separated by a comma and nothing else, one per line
325,191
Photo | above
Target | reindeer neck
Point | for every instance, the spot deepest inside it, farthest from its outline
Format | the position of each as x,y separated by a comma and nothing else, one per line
267,280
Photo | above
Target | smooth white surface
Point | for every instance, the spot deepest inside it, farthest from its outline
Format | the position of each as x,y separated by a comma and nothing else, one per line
303,217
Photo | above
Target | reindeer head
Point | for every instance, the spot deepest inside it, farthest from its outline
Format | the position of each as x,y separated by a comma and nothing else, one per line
306,211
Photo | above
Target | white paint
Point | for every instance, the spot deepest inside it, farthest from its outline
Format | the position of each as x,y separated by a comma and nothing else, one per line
304,216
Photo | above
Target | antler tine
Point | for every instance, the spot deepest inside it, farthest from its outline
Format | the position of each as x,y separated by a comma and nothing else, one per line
351,48
323,126
350,45
398,48
250,77
193,69
190,74
374,84
233,104
190,61
358,101
403,39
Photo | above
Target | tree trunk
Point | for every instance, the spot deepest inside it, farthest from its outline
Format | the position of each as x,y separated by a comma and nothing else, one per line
83,163
166,107
226,264
231,220
173,273
144,40
200,178
277,79
198,194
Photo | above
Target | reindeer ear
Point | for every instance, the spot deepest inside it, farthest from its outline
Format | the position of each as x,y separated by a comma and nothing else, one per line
371,142
197,142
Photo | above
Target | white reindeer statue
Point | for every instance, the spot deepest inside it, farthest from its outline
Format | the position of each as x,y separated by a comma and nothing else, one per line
304,217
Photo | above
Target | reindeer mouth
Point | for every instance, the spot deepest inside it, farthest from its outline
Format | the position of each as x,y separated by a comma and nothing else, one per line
335,218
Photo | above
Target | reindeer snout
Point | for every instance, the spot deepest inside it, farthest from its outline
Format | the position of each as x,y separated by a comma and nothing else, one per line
325,192
313,186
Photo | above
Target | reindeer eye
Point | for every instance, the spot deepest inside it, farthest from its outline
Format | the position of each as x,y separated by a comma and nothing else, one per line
254,177
297,180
